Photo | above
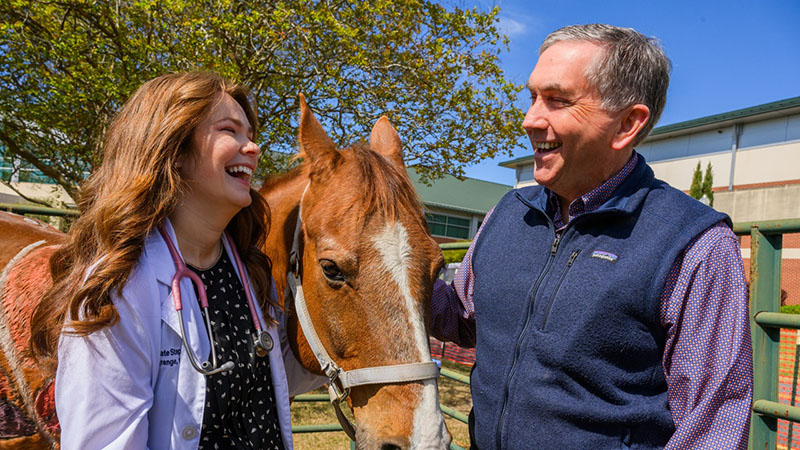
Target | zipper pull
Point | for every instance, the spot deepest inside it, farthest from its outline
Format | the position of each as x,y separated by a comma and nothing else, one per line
573,257
555,245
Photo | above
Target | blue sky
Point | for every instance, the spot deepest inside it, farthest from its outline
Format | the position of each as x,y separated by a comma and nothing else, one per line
726,55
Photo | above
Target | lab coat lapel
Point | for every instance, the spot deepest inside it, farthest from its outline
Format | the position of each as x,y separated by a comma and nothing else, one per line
280,385
190,385
159,257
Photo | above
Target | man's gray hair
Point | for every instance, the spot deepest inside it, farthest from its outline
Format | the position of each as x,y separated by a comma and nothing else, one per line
632,69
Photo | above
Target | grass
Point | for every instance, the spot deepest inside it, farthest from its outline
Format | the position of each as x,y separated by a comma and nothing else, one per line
457,396
451,393
318,413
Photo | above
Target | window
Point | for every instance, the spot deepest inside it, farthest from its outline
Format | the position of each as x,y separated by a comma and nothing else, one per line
525,173
24,175
22,172
766,132
448,226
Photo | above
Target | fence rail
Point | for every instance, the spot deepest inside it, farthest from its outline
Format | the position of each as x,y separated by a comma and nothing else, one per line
766,243
461,417
38,210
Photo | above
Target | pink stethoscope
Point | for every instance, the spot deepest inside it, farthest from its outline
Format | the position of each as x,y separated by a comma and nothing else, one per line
262,340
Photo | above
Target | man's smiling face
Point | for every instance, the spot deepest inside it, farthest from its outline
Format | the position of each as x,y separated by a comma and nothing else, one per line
569,129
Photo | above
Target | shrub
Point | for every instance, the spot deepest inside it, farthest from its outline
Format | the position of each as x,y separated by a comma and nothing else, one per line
453,256
790,309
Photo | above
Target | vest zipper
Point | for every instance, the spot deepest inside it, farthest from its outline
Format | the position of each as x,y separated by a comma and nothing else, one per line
558,286
501,421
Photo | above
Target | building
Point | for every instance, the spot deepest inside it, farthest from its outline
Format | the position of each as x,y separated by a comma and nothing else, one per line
755,158
32,183
455,208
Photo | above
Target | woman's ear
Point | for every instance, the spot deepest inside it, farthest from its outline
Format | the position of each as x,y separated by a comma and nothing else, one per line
633,119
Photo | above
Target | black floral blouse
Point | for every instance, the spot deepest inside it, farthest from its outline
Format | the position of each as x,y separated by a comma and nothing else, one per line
240,411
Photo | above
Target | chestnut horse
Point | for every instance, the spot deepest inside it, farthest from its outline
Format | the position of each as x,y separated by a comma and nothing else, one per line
27,413
368,266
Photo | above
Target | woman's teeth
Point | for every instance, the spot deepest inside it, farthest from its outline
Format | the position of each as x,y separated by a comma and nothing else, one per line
239,171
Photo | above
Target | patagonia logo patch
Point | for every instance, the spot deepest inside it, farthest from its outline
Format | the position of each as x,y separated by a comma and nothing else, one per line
608,256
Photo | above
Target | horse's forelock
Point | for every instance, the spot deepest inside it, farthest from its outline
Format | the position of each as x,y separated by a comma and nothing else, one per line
387,188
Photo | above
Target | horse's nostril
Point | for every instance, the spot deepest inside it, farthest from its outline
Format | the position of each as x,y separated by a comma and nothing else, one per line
390,447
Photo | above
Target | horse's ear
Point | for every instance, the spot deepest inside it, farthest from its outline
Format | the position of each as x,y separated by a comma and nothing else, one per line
316,146
385,140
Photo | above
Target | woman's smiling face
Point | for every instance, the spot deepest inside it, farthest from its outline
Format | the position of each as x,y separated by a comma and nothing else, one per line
223,158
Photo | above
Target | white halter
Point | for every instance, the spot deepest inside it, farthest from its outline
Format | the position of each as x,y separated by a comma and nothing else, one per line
339,380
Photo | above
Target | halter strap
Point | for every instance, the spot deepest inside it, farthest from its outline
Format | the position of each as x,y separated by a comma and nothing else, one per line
339,380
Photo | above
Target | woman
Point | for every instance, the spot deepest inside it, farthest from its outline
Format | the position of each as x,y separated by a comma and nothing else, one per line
174,187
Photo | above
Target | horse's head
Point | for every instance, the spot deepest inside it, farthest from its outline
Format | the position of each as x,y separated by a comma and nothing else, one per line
368,267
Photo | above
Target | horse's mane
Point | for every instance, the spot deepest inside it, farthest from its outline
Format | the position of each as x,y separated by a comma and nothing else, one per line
387,187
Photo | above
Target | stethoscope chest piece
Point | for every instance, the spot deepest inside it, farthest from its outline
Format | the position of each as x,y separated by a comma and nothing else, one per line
264,343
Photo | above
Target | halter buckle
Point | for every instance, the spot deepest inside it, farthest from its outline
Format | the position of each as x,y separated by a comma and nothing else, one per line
294,264
336,389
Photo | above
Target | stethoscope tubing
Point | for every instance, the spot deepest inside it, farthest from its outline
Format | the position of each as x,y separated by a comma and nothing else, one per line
182,271
251,304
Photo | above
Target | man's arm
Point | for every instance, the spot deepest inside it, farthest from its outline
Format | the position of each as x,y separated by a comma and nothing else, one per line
451,320
708,357
452,309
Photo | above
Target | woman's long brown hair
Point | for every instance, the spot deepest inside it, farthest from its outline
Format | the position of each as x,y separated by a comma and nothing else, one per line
135,188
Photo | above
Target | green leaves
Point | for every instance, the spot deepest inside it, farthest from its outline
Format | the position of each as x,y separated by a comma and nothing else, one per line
696,188
708,185
66,67
702,186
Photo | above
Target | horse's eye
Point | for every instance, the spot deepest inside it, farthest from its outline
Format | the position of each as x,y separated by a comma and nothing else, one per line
331,270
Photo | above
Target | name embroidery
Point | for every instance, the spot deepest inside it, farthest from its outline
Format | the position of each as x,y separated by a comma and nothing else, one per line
607,256
170,357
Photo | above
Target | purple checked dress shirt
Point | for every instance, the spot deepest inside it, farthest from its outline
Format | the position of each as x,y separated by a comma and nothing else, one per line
708,357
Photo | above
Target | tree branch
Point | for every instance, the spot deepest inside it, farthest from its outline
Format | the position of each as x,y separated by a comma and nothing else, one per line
25,197
12,147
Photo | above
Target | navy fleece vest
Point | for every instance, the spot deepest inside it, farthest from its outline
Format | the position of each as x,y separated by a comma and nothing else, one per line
569,335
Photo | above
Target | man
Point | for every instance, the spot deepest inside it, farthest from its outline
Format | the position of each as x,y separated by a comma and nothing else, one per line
610,310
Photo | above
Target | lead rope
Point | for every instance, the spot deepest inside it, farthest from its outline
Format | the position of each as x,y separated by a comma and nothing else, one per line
339,380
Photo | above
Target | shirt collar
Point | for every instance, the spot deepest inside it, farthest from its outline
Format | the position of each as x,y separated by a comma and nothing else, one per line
591,200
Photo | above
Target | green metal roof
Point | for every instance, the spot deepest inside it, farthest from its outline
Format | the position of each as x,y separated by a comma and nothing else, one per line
516,161
731,116
771,107
468,196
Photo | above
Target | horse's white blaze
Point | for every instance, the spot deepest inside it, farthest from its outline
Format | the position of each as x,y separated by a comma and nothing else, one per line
392,243
429,429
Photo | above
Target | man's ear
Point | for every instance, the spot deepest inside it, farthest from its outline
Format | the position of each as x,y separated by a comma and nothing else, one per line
633,119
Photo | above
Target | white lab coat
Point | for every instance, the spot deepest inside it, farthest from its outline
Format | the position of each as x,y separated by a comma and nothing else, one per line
131,386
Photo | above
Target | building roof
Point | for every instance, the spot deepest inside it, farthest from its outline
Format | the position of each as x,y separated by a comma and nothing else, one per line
751,114
468,195
516,161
